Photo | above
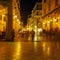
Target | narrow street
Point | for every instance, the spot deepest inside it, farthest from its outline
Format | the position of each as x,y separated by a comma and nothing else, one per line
45,48
29,29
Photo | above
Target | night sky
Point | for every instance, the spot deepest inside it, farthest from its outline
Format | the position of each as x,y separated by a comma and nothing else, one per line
26,8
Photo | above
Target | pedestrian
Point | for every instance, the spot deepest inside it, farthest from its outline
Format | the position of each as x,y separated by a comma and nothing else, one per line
13,35
27,34
33,33
3,34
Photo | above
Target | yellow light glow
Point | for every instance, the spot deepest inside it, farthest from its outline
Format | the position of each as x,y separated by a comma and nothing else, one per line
17,51
43,23
15,16
55,19
48,50
3,15
35,26
44,46
40,30
35,38
48,21
56,23
51,20
18,20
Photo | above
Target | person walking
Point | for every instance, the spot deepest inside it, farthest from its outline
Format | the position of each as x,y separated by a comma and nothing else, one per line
13,35
33,33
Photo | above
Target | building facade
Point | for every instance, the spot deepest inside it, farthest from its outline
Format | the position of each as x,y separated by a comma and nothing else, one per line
51,16
36,14
34,20
30,23
9,17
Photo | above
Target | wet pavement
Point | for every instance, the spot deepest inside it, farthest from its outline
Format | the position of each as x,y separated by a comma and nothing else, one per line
29,50
45,48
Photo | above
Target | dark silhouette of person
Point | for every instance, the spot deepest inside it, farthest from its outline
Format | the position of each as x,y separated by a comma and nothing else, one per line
13,35
33,33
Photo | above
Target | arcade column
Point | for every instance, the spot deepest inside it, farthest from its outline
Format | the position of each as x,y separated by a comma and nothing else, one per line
9,25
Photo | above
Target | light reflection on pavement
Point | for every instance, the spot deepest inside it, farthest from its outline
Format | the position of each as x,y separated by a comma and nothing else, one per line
29,51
